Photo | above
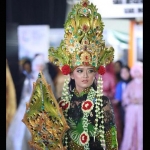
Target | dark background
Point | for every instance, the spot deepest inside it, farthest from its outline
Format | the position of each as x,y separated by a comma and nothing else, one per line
33,12
29,12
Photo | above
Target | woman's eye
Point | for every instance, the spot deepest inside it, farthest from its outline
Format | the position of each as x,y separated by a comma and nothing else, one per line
79,71
91,70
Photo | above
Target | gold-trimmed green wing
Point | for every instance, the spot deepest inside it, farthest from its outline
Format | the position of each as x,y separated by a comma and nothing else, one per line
44,118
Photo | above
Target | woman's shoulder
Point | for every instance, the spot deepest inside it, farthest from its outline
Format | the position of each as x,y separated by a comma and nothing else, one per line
105,100
120,83
131,84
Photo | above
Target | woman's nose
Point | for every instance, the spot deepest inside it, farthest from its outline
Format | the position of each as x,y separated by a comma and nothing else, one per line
85,74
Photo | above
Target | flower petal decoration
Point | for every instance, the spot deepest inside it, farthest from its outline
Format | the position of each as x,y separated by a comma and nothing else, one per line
66,69
101,70
87,106
64,105
84,138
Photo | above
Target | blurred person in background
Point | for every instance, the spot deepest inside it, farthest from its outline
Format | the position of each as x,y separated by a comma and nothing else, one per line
21,135
57,78
11,103
25,70
120,87
59,82
53,70
18,134
109,86
109,83
117,68
39,64
132,102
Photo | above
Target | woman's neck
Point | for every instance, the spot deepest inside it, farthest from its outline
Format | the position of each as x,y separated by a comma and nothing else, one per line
79,92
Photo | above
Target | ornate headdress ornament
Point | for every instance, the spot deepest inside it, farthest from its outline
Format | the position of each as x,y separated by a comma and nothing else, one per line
82,44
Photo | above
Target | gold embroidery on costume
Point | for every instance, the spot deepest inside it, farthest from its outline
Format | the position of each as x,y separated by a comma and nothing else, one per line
44,118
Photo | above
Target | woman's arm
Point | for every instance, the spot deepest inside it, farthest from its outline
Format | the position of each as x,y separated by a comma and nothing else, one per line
126,95
118,92
109,125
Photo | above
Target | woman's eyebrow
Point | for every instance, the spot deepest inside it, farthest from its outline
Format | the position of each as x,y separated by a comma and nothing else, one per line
85,68
91,68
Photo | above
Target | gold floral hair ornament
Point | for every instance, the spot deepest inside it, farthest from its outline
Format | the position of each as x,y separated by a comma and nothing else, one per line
82,44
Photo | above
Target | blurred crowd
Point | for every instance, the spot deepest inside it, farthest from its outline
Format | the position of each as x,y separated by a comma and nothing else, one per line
122,84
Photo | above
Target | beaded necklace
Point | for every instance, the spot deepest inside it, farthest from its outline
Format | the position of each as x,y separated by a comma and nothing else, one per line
86,107
85,91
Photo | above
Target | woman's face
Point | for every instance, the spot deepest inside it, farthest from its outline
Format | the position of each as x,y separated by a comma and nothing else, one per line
125,74
84,77
27,67
38,63
117,67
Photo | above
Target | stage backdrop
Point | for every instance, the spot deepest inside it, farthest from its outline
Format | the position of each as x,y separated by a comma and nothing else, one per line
33,39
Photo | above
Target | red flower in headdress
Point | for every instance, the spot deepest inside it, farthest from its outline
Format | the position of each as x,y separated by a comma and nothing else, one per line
101,70
84,4
66,69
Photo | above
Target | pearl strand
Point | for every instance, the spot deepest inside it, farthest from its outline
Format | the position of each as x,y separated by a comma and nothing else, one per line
101,115
67,99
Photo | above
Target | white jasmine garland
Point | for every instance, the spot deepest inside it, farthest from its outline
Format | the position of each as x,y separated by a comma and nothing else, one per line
87,107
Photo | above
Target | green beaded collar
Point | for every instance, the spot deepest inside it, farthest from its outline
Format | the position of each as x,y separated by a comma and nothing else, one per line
85,91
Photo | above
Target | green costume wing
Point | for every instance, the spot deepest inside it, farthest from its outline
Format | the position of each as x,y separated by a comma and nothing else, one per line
44,118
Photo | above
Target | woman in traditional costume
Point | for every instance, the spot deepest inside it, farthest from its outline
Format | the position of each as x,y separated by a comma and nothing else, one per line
87,121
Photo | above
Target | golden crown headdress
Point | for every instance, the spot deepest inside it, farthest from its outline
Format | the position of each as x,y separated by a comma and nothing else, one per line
82,44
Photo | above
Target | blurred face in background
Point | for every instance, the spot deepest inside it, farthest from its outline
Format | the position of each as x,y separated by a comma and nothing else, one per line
117,67
137,71
38,63
27,67
125,73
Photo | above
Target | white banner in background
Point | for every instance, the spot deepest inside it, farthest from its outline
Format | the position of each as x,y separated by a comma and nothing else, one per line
33,39
122,9
115,8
